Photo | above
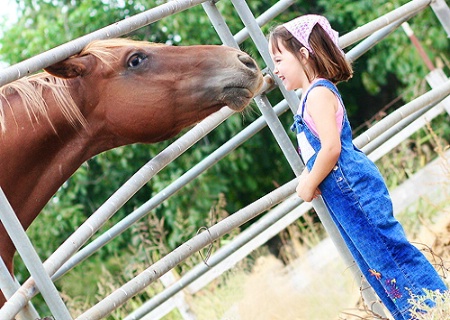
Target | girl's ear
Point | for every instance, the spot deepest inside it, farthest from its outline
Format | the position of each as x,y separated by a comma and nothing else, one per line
304,54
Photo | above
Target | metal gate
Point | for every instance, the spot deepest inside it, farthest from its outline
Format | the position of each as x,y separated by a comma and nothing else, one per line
282,205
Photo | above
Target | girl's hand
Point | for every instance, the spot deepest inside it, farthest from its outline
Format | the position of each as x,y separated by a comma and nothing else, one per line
304,189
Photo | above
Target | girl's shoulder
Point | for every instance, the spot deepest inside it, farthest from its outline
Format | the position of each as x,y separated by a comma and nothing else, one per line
323,89
320,94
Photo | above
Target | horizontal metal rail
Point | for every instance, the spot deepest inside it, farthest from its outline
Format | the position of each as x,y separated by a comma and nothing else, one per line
125,293
408,9
70,48
140,282
170,190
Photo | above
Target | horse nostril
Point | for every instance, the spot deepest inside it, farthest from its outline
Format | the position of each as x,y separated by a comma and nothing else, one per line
247,61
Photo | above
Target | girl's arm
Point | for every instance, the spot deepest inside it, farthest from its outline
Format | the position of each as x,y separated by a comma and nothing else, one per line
322,105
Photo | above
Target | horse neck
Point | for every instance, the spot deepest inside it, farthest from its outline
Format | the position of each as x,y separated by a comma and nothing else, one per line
37,158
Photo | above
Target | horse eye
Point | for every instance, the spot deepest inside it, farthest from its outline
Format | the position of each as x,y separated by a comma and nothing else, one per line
135,60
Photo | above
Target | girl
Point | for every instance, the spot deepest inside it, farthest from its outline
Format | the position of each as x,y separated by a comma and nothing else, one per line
307,55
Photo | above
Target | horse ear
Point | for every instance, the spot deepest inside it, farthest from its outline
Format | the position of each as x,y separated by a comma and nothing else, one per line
72,67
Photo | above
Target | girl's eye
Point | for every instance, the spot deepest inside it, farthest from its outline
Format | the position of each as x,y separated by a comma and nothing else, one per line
135,60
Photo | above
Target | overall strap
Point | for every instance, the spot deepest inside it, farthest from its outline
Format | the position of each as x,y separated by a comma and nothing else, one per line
324,83
298,118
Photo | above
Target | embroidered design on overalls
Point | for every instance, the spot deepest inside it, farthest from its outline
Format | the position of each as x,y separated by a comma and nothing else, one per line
375,273
392,290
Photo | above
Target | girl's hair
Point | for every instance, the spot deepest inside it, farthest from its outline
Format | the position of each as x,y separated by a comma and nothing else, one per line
327,60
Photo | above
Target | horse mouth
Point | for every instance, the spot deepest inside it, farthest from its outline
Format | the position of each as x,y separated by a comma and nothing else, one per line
236,98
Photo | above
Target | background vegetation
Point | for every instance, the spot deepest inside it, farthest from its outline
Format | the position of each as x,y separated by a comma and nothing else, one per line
389,75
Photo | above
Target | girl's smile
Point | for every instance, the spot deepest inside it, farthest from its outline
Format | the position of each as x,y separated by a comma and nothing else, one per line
288,68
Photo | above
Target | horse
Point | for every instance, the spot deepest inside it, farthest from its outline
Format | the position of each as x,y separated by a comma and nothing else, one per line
113,93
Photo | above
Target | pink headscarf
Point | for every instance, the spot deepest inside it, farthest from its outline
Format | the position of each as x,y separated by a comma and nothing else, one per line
302,26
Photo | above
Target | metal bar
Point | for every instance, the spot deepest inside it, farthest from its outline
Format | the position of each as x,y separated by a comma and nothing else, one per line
219,24
280,134
442,12
271,13
381,139
434,79
410,33
222,254
8,286
164,194
122,195
362,32
70,48
268,220
372,40
140,282
31,261
276,223
432,96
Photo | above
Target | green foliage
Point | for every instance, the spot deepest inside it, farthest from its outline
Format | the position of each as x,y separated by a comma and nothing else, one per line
391,68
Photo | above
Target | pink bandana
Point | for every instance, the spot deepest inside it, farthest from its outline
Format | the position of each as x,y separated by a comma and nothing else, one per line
302,26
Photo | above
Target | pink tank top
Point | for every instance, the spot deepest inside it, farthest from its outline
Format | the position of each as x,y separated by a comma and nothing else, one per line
310,122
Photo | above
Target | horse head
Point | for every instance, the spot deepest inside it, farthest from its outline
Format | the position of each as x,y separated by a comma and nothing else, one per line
147,92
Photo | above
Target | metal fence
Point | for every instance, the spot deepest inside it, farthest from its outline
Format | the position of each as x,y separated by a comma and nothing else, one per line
281,205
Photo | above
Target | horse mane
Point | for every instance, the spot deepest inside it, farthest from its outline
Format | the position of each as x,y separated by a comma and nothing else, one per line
30,89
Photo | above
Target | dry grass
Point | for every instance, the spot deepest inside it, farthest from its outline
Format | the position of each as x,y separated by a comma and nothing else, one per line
272,291
423,311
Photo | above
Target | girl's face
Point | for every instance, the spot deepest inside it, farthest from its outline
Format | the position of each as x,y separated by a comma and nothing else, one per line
288,68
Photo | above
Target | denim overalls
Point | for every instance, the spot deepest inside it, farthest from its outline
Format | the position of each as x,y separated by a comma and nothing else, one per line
359,203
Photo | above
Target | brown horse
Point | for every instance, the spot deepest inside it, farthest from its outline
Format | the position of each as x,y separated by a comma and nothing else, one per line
113,93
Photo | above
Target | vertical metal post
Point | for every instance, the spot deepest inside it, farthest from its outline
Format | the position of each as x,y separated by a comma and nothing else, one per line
369,295
442,12
263,103
31,260
410,33
9,286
